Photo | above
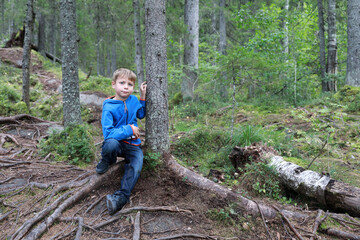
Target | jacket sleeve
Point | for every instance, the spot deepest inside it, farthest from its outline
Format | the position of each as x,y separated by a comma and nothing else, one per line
109,130
141,112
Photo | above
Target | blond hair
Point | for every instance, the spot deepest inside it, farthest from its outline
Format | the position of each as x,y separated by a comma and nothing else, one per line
124,73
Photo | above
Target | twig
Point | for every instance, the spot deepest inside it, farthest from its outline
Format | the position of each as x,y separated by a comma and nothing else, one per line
94,204
264,221
318,221
193,235
80,225
341,234
140,208
345,221
290,224
136,235
6,180
320,152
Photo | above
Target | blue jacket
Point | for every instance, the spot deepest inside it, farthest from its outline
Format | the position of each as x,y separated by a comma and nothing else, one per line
117,116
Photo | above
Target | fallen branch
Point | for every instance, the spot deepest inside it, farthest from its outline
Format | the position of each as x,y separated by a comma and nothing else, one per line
15,119
318,222
136,235
289,223
264,221
140,208
186,235
341,234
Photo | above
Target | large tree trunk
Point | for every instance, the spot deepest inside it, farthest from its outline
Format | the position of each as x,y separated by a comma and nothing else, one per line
41,35
332,47
222,47
157,120
27,53
353,57
191,49
69,49
321,43
138,45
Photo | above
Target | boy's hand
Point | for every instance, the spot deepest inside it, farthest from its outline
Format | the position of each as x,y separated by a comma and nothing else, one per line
143,90
136,131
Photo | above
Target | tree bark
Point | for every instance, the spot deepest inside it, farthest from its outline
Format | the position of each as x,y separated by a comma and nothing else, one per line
157,120
191,49
69,49
41,34
3,30
353,57
138,43
27,53
53,29
332,47
321,43
222,48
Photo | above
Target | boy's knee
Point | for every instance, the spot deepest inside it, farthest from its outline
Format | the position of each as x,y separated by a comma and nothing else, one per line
111,144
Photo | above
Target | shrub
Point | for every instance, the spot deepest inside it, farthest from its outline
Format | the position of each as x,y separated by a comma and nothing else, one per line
74,144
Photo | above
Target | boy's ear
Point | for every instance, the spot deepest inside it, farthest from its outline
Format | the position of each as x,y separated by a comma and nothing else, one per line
113,84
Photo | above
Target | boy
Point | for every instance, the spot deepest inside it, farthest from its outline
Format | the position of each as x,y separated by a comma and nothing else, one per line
121,135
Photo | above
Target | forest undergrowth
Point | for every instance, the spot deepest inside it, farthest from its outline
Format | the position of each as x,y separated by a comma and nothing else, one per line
322,134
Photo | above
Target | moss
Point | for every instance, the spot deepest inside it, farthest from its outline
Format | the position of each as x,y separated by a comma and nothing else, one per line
347,93
297,161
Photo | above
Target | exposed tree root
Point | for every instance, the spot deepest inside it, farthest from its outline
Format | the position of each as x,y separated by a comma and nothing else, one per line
290,224
187,235
136,235
15,119
318,221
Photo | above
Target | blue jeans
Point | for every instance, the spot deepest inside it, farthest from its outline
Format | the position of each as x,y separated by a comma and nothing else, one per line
133,155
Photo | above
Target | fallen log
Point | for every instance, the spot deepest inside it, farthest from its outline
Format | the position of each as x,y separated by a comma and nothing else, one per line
332,194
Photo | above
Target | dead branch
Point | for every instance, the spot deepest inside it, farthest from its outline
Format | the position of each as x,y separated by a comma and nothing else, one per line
136,235
94,204
318,221
290,224
3,217
341,234
140,208
5,136
264,221
80,225
6,180
15,119
338,218
185,235
320,152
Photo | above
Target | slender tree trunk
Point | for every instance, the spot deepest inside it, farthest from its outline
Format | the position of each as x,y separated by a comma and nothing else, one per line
138,46
157,120
322,44
353,57
191,49
3,31
332,47
222,47
41,35
286,29
69,50
53,29
113,57
26,64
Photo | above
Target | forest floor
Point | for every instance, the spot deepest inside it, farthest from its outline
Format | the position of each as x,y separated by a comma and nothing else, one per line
30,184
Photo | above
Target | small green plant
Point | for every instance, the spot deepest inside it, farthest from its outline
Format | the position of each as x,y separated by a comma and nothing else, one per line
151,161
74,144
224,216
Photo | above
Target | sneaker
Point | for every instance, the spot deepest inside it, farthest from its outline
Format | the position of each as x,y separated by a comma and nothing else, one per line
115,202
102,167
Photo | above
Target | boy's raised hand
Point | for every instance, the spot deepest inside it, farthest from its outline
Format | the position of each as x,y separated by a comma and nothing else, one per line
143,90
136,131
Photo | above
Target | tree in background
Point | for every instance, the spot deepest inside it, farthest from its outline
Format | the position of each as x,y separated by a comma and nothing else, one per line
69,50
138,45
353,57
191,49
157,120
332,48
29,25
322,44
222,47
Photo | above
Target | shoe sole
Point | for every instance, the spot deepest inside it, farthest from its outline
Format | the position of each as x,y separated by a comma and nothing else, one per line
109,205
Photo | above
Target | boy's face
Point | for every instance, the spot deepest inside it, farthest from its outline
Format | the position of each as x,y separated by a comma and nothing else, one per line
123,88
